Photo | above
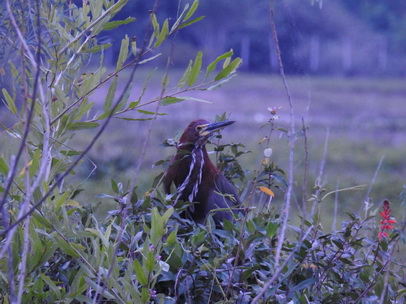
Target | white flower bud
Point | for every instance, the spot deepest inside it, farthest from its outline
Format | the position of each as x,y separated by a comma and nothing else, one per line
268,152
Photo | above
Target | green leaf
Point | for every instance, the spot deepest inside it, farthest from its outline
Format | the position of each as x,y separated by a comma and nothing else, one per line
82,125
134,119
191,22
3,167
271,229
149,59
62,199
150,263
70,152
140,274
66,247
180,18
228,69
51,284
145,295
163,34
304,284
194,73
212,66
118,6
124,50
220,83
196,99
110,94
185,75
192,10
170,100
150,112
114,186
155,24
10,101
171,239
133,104
113,24
84,108
97,48
167,215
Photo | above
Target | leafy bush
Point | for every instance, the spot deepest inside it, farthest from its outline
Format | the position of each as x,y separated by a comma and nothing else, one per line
55,250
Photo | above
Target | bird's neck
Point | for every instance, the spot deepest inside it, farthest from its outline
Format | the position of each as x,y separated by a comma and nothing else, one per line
199,152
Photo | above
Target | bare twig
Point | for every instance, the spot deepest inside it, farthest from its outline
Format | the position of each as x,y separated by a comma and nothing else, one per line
333,225
285,213
378,167
319,179
305,173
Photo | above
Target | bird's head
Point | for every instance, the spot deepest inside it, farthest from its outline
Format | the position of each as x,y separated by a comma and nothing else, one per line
199,131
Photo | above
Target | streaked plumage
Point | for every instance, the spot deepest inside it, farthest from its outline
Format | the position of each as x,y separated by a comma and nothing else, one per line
196,178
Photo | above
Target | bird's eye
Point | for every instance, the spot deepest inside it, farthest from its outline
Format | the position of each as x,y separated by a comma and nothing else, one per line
199,128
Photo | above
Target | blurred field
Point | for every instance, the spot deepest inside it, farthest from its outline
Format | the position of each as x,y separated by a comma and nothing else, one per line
366,119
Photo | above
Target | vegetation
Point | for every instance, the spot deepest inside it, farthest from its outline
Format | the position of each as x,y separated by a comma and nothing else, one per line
55,249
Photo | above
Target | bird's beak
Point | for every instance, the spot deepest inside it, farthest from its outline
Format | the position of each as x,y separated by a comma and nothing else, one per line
210,128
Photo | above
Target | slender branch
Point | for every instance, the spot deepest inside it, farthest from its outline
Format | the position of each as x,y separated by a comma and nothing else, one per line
321,172
378,167
288,196
333,225
306,171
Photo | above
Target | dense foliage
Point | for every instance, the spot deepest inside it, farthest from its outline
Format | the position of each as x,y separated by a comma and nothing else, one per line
54,249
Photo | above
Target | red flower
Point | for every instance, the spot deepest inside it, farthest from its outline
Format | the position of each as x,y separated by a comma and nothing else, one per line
386,220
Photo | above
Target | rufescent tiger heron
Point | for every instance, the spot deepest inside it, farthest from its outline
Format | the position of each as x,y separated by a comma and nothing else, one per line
196,178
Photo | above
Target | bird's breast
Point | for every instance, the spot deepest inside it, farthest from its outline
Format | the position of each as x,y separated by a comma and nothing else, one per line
189,182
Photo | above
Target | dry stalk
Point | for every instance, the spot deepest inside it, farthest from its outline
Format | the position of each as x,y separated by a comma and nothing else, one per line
288,196
319,179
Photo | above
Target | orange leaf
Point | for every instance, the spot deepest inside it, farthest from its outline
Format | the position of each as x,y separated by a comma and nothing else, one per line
267,191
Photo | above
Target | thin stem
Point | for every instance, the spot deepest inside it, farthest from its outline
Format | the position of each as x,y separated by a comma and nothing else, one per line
305,173
333,225
288,196
321,172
